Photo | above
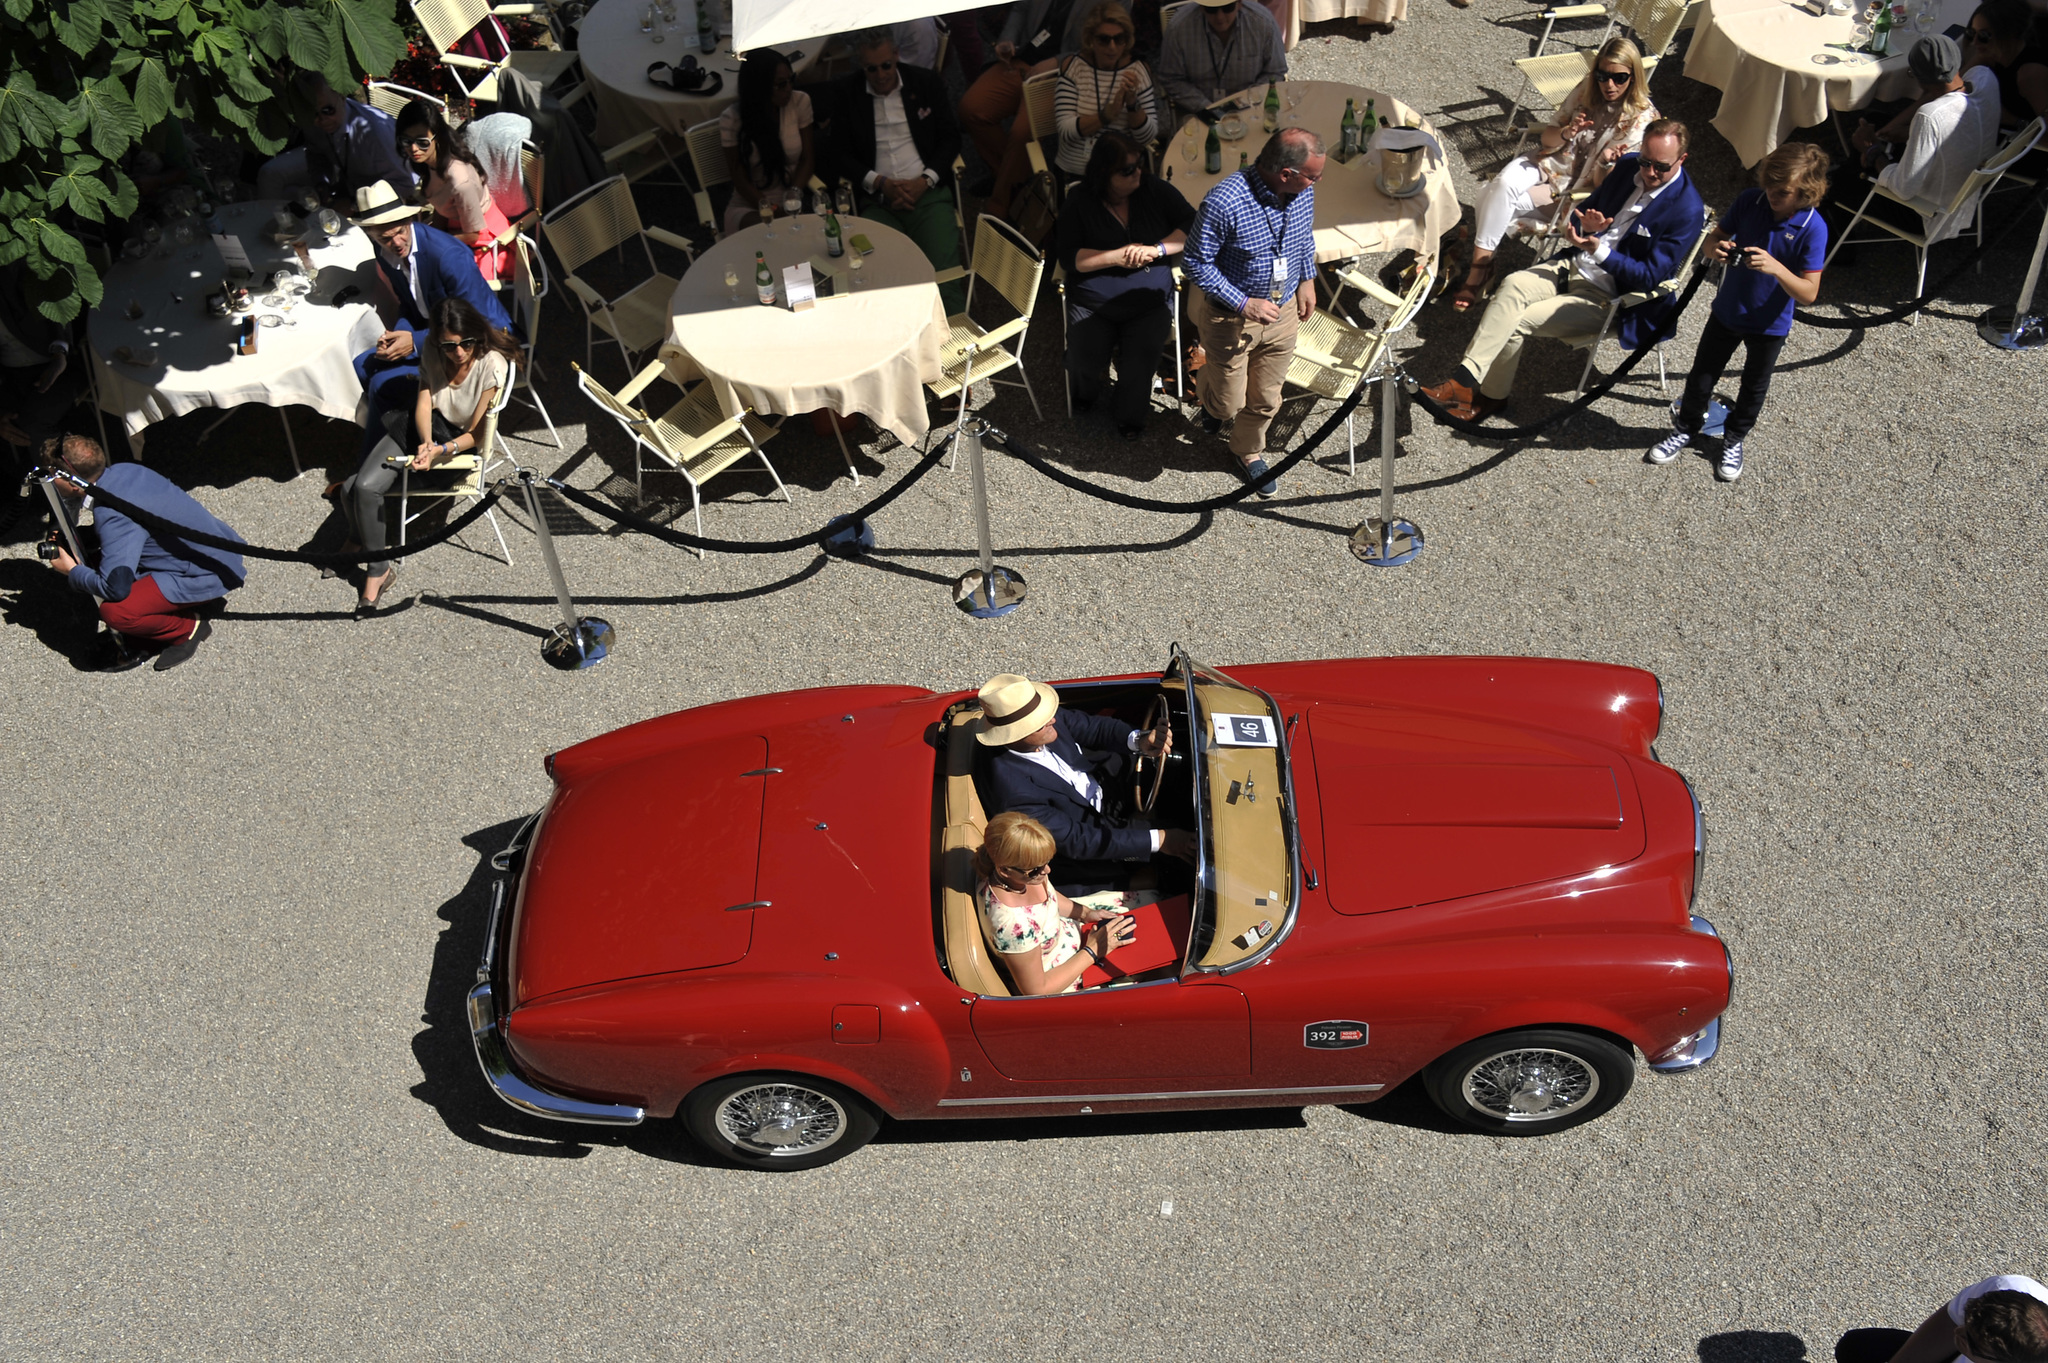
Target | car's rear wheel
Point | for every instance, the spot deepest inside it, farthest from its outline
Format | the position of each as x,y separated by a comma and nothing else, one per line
1531,1082
778,1121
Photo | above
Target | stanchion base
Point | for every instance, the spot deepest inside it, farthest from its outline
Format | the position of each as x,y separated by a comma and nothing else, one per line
849,538
1402,545
1712,424
588,647
1999,327
1004,593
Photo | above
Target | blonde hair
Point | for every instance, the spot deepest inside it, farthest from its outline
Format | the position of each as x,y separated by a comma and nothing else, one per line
1618,49
1012,839
1109,12
1798,166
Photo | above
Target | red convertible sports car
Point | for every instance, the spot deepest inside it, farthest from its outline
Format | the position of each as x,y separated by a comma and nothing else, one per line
1474,869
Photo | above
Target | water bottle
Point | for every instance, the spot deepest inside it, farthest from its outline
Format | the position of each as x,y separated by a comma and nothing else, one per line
707,32
1212,152
834,246
1272,106
1347,130
764,282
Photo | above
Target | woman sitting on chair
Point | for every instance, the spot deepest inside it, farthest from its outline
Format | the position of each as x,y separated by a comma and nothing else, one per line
1046,940
769,142
452,185
1106,86
1117,227
460,376
1599,123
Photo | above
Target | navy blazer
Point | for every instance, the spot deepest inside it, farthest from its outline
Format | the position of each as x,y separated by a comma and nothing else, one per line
1651,250
1082,832
447,269
850,145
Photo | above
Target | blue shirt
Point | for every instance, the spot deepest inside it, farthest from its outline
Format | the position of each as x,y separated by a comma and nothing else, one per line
363,152
1242,227
185,573
1750,301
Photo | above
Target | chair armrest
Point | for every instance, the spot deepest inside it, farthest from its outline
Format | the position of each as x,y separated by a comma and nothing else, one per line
818,186
668,238
705,214
589,297
631,144
575,97
638,383
1037,155
715,434
949,274
1560,12
502,10
458,59
996,335
1371,287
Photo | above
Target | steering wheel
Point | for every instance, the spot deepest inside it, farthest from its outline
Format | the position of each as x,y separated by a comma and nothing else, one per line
1149,772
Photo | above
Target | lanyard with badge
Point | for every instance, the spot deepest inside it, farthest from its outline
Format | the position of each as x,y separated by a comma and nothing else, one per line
1281,273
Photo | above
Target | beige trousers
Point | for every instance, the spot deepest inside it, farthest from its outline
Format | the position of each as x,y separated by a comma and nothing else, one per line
1548,300
1247,364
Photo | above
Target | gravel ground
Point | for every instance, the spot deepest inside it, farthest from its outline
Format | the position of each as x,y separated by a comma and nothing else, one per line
245,896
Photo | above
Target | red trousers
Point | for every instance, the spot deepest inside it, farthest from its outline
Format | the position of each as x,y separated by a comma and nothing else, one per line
146,618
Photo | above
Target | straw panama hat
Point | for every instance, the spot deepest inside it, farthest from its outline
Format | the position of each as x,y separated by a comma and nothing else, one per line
1013,706
379,203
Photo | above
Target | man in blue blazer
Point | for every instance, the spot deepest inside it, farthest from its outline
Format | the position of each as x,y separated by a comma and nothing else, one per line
422,265
1054,765
1630,236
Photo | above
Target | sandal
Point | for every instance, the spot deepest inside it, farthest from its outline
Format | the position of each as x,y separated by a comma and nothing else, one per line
1471,292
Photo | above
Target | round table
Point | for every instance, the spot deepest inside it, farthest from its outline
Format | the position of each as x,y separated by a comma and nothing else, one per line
616,55
1771,62
870,350
1352,217
195,364
1364,11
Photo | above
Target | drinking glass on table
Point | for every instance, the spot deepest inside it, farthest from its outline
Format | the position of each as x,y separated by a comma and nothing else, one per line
647,20
1291,94
855,260
793,207
1188,150
732,284
767,211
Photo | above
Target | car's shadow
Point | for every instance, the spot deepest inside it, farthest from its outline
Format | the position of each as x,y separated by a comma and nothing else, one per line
977,1129
1757,1346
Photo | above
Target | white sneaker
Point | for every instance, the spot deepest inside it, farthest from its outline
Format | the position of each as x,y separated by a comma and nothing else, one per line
1666,450
1729,468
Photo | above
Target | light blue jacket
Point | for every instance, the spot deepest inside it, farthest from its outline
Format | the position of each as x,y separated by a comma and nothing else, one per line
185,573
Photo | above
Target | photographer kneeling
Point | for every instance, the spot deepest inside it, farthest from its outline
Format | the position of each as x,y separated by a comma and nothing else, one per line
150,586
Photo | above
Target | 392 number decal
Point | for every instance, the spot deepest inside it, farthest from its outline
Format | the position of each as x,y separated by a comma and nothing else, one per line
1335,1036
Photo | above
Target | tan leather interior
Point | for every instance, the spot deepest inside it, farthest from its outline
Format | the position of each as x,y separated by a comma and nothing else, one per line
1248,847
967,952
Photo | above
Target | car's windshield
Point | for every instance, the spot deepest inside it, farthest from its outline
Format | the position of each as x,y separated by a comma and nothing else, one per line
1249,868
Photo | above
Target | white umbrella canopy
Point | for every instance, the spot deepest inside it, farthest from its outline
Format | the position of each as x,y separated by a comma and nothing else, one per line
780,23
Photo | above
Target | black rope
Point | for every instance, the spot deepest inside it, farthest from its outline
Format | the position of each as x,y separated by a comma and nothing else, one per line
783,546
1940,286
1578,404
164,529
1222,499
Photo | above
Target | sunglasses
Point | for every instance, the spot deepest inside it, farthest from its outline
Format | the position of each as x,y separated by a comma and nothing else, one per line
1659,167
328,110
450,347
1978,35
879,67
1029,873
1133,168
1612,77
1230,8
420,143
1111,39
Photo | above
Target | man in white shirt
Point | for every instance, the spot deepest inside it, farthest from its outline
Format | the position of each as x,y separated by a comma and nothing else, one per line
892,132
1631,236
2003,1319
1953,129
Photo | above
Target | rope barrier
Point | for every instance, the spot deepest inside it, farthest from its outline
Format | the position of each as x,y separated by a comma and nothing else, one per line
782,546
1079,484
162,528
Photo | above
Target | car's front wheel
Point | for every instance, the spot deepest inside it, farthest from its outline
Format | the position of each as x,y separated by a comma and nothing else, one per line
778,1121
1531,1082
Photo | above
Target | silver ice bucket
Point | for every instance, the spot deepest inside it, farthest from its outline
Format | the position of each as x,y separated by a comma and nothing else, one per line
1404,159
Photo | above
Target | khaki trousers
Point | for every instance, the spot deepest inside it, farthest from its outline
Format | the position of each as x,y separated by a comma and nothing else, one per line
1548,300
1247,364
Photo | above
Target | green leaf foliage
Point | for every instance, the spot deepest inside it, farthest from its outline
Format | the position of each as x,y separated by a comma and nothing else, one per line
152,92
108,116
375,42
27,116
78,23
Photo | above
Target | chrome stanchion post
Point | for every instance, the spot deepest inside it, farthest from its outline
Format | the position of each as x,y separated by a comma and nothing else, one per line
1382,540
63,515
991,591
579,641
2022,328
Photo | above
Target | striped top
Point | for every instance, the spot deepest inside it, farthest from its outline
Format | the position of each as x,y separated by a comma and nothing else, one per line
1086,89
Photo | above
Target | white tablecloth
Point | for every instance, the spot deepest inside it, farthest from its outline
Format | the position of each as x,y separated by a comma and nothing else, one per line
870,351
1364,11
616,55
1352,217
307,365
1761,55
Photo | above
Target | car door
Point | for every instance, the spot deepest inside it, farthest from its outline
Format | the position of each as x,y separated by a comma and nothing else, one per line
1167,1030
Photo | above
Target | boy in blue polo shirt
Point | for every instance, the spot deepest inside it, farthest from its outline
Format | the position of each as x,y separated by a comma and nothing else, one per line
1774,240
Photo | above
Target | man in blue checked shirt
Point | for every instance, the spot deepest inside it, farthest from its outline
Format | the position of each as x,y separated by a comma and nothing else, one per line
1253,257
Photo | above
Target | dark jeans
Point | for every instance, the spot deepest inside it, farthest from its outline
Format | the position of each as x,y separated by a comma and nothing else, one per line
1717,346
1137,342
1870,1345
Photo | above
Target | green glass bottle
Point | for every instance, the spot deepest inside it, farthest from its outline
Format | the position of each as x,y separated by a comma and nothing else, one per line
1347,132
834,246
1244,160
1272,107
1370,125
1212,152
764,282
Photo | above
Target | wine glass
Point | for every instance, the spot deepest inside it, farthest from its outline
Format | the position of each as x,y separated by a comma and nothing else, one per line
732,284
647,20
855,260
1187,147
793,207
768,217
1291,94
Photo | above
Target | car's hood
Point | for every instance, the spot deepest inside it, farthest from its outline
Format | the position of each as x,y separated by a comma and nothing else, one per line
1420,807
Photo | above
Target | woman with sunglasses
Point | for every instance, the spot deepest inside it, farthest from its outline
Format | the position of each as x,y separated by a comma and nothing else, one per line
465,364
768,137
1116,229
452,185
1599,123
1106,86
1046,940
2005,35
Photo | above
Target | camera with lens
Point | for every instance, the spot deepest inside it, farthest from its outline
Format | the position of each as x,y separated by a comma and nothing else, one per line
47,550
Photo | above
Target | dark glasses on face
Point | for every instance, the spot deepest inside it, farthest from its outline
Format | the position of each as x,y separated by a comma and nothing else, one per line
1111,39
1612,77
420,143
1029,873
1224,9
450,347
1659,167
327,110
1978,35
1132,169
879,67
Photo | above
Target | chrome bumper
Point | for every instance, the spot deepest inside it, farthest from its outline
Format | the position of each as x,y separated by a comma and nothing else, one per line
1696,1050
496,1060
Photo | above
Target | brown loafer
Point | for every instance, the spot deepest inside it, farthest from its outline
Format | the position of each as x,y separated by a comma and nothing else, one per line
1483,406
1450,393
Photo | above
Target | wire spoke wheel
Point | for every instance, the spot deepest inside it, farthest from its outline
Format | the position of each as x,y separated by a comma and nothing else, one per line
1531,1085
780,1119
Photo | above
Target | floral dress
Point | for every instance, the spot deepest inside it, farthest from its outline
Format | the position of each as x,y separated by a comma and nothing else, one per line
1576,164
1017,929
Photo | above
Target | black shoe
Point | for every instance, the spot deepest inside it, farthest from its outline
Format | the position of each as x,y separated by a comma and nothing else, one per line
1211,424
178,653
982,186
119,659
1255,472
365,608
1130,430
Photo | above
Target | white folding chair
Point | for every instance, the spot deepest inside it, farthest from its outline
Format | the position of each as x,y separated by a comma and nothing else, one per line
448,22
529,291
1552,77
600,219
1178,356
391,98
1013,270
472,465
1334,355
1670,288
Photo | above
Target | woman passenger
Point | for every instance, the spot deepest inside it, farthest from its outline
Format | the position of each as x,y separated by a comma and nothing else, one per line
1599,123
1046,940
768,138
452,185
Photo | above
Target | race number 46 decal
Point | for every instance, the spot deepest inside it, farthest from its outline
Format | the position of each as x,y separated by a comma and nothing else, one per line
1335,1036
1245,731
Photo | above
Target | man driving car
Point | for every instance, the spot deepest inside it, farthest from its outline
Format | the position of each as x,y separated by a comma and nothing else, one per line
1042,767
